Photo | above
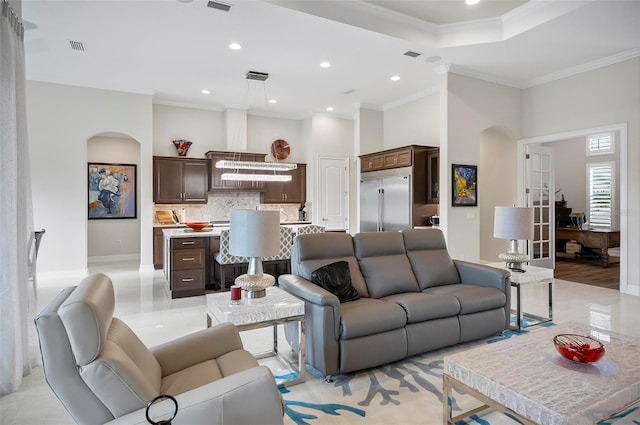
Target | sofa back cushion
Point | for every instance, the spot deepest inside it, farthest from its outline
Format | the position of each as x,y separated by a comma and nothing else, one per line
384,263
312,251
430,260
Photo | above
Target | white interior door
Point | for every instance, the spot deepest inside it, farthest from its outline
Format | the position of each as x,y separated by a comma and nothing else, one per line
540,194
333,193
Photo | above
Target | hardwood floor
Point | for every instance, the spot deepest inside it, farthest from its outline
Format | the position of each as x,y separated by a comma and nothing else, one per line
589,273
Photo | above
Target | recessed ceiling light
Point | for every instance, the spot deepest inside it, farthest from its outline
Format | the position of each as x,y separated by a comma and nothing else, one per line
325,65
395,78
432,59
235,46
205,91
273,101
330,109
471,2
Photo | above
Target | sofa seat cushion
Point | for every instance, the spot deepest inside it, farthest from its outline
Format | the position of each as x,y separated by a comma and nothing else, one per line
424,306
368,316
472,298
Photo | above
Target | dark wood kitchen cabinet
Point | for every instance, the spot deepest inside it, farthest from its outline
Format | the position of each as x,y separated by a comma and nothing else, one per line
433,173
180,180
188,272
215,177
291,192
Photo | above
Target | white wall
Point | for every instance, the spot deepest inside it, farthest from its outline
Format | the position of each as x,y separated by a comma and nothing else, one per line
263,131
472,106
60,121
413,123
498,165
370,126
204,128
119,237
604,96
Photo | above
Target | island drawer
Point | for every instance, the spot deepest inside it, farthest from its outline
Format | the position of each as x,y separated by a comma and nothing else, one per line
185,259
187,282
187,243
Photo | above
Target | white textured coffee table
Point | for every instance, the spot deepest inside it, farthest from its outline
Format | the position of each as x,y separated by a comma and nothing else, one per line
527,378
276,308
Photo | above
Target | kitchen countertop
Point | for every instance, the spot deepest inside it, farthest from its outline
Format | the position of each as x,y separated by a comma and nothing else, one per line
284,223
184,232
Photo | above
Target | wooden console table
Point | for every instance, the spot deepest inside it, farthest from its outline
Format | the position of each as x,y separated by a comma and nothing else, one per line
598,239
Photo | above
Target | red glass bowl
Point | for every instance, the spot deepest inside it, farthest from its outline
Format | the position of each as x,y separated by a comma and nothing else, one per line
579,348
197,225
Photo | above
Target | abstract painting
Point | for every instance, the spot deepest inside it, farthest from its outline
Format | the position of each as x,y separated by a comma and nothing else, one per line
112,191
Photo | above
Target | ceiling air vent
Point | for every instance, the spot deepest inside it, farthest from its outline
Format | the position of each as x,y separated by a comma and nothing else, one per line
412,54
219,5
260,76
349,91
77,45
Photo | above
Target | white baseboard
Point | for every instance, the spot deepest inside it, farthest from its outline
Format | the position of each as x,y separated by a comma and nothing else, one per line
113,258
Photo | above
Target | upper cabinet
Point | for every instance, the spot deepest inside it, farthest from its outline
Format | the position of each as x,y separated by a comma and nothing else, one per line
433,172
180,180
424,161
291,192
393,158
215,178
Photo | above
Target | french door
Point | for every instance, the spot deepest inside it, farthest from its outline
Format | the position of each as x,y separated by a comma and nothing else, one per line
540,195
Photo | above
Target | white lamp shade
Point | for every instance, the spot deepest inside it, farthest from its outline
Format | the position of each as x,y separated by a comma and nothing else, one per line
515,223
254,233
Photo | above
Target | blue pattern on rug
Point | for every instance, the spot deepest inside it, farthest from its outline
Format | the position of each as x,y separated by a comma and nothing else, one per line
328,408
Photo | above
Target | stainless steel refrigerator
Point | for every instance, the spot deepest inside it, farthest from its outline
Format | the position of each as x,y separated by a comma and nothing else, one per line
386,200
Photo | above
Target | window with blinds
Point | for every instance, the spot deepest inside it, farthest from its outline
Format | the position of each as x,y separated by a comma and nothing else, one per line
600,195
600,144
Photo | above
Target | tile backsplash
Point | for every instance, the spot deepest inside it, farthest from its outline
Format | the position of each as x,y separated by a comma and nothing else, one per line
220,206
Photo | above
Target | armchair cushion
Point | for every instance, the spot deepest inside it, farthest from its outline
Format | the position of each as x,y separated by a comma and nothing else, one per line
335,278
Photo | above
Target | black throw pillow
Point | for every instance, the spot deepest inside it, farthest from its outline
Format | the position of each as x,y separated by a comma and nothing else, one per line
335,278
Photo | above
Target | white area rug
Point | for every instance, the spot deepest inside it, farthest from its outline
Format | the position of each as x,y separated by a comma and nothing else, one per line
405,392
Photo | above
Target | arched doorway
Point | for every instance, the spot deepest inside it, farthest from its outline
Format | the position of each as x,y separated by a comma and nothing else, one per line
111,237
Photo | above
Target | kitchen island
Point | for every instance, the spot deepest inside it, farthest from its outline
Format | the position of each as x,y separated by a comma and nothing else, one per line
188,258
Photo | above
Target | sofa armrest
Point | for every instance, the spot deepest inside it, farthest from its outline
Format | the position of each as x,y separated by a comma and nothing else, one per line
247,397
307,290
481,275
200,346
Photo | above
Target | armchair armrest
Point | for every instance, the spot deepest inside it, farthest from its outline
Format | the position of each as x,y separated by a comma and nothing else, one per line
481,275
247,397
189,350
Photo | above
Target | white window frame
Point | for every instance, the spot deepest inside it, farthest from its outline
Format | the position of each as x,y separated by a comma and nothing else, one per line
609,151
612,166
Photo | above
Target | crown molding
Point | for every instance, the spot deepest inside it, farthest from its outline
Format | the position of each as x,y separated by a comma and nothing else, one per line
589,66
189,105
460,70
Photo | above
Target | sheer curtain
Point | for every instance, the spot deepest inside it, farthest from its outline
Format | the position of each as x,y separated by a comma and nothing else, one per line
18,344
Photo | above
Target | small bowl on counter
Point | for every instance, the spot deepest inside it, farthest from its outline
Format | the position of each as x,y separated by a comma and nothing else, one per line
197,226
579,348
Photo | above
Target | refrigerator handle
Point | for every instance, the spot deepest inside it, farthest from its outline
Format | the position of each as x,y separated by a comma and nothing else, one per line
380,203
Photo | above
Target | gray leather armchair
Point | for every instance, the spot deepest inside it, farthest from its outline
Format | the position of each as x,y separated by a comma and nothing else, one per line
102,373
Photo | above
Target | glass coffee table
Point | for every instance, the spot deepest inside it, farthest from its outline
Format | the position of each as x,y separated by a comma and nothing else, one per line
276,308
525,377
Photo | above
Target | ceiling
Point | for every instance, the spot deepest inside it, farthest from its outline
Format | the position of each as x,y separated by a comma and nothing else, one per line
173,49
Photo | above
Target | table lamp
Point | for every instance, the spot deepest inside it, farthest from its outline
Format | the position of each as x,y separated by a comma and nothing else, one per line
254,234
513,223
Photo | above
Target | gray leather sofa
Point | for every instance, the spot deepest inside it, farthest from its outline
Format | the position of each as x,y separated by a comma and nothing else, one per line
413,298
102,373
